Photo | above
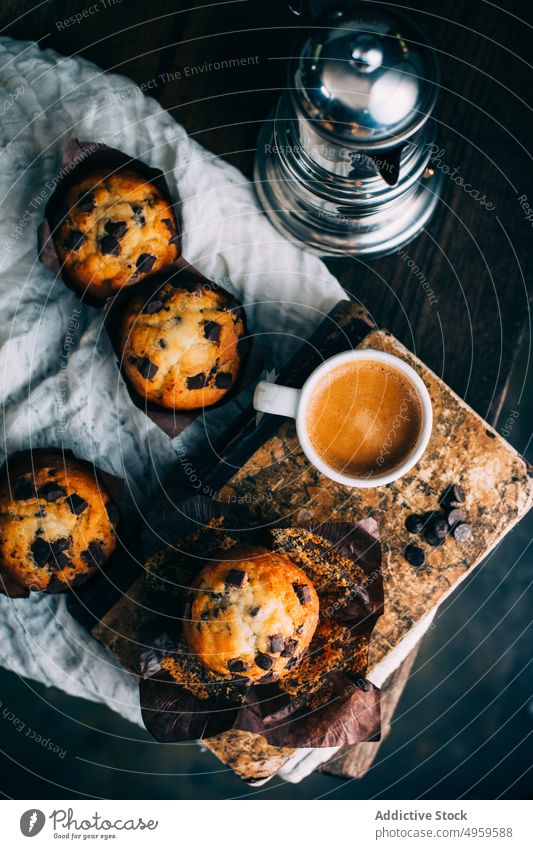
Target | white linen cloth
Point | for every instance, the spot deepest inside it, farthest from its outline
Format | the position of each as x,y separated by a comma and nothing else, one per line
59,380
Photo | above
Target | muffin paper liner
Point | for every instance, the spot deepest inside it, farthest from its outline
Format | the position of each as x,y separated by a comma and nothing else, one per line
21,462
325,700
80,158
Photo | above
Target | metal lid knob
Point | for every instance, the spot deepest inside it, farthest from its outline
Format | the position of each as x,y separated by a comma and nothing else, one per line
365,75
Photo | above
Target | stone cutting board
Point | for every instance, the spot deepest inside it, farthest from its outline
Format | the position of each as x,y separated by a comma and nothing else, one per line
285,488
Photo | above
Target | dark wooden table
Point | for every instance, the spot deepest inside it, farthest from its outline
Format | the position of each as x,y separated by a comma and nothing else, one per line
478,262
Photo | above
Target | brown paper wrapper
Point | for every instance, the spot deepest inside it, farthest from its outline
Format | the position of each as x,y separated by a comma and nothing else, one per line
79,159
325,700
22,462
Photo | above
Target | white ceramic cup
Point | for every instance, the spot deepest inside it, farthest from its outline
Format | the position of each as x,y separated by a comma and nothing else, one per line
285,401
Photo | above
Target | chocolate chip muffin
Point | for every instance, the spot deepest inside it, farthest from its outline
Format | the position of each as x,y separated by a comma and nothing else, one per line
56,524
251,614
112,230
181,347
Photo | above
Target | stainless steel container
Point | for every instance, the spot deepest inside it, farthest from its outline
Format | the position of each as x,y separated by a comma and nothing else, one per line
344,163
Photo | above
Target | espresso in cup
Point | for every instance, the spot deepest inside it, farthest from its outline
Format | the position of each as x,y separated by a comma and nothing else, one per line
364,418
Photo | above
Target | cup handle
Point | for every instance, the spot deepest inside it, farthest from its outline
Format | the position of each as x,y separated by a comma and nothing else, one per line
278,400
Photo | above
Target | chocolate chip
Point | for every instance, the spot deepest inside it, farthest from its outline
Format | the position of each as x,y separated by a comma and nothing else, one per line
112,513
290,647
76,503
109,245
303,592
51,491
59,545
263,661
197,381
24,489
41,552
145,263
162,343
205,615
153,306
138,217
291,663
94,554
439,527
86,202
462,532
118,229
414,555
254,611
74,240
267,679
455,516
60,561
235,578
212,330
174,238
454,495
432,539
223,380
414,524
147,369
236,665
275,643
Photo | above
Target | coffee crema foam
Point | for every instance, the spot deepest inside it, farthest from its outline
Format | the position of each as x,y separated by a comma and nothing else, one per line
364,418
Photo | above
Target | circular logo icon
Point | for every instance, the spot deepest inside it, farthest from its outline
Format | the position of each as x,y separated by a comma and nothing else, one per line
32,822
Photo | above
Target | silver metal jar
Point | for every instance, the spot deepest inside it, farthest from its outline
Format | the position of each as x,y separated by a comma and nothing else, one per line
344,162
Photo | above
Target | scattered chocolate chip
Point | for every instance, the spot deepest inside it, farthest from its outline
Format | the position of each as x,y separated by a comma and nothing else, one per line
432,539
276,643
118,229
215,612
162,343
290,647
109,246
439,527
138,217
41,552
414,555
223,380
153,306
51,491
462,532
414,524
455,516
112,512
205,615
147,369
86,202
303,592
254,611
74,240
263,661
24,489
145,263
362,683
291,663
235,578
197,381
94,554
454,495
212,330
76,503
236,665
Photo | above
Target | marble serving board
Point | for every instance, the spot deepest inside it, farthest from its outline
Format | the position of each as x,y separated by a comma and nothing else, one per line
274,478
